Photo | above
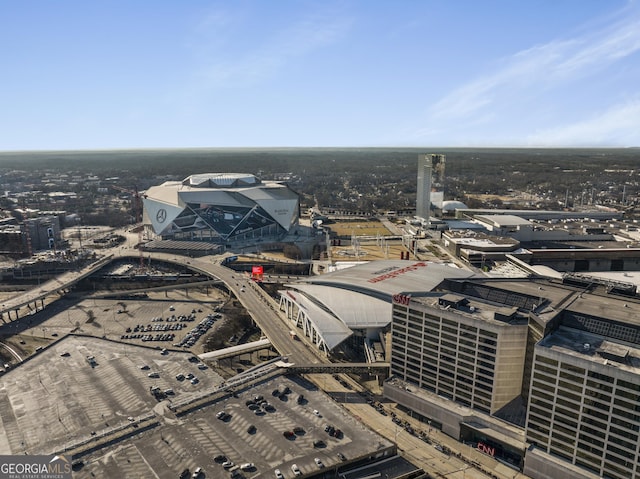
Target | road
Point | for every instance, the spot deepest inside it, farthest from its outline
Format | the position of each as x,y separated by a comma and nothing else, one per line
264,310
11,351
456,465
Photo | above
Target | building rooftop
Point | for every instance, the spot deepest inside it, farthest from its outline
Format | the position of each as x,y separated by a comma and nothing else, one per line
610,306
473,308
216,180
93,399
473,238
384,278
504,220
594,348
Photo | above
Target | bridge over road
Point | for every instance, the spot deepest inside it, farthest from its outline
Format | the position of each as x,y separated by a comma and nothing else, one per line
59,285
337,368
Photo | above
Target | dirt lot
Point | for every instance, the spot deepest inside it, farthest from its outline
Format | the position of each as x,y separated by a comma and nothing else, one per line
359,228
368,251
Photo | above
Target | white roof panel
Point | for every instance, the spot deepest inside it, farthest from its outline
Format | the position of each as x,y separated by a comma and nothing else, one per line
387,277
504,220
331,329
356,310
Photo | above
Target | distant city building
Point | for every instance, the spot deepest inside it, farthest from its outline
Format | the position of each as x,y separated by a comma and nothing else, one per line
30,235
430,168
542,374
221,208
450,206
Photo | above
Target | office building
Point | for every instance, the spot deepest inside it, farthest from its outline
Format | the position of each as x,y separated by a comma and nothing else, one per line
542,374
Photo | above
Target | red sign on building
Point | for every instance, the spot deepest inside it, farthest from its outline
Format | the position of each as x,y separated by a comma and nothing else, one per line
257,273
487,449
401,299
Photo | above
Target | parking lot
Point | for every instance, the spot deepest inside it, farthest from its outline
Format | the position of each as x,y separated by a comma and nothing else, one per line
81,388
256,427
166,320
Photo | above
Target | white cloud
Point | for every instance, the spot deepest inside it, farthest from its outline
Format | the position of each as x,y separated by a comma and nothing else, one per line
616,42
542,82
618,126
523,70
285,45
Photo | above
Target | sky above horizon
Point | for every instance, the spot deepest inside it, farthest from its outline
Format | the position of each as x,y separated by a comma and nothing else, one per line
327,73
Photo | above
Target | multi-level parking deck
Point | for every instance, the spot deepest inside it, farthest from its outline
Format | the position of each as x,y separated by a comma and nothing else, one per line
122,410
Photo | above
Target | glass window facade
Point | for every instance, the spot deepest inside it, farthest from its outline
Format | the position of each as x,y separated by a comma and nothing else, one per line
585,416
456,360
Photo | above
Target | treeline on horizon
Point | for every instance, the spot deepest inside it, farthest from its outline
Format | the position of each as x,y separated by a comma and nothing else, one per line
347,179
180,163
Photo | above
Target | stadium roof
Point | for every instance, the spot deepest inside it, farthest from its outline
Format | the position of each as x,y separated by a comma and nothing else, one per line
220,205
355,310
382,279
360,297
216,180
331,329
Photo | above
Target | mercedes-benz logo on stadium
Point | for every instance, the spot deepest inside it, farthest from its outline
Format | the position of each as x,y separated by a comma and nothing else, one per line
161,215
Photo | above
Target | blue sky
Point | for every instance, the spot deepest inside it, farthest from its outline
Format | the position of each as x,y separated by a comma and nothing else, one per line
200,73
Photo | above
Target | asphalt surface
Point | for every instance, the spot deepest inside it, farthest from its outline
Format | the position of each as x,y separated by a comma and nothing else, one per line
264,311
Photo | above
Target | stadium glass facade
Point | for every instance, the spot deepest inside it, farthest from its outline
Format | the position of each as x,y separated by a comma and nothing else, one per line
221,207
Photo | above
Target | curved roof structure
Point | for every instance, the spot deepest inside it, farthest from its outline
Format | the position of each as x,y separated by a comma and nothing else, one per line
221,207
453,205
220,180
331,306
354,310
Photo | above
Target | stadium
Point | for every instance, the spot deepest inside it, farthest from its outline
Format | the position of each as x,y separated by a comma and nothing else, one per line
349,311
220,208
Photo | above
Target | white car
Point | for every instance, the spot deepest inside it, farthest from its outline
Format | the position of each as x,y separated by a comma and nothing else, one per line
318,462
247,466
296,470
278,474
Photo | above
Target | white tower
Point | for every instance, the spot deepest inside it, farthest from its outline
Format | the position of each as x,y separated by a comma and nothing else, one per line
423,200
428,164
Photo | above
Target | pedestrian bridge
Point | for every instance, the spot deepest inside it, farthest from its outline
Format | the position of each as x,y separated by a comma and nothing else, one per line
236,350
